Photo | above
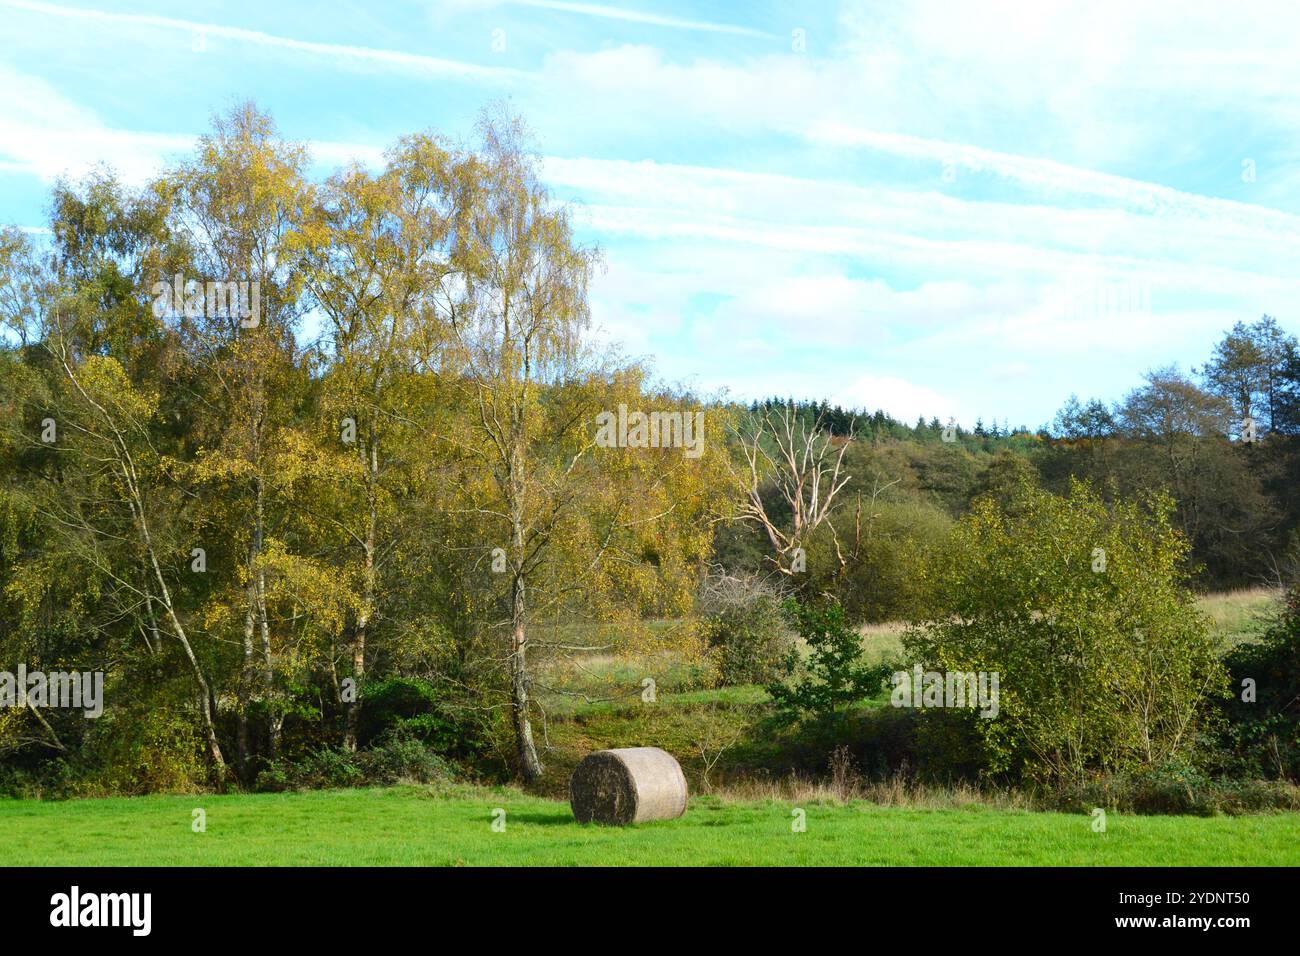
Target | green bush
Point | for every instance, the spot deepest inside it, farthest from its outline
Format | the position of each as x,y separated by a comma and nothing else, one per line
879,581
404,759
413,708
154,747
400,758
1263,735
746,629
834,676
1176,789
1081,607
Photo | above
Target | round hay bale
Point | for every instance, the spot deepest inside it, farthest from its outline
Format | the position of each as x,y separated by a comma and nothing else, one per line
629,785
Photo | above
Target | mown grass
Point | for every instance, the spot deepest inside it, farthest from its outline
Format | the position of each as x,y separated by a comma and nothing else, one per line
416,826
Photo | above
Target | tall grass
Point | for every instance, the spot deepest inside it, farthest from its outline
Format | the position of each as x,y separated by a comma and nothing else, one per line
1241,615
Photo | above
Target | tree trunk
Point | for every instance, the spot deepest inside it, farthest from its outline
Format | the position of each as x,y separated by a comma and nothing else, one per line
529,764
205,693
358,674
274,716
245,682
368,590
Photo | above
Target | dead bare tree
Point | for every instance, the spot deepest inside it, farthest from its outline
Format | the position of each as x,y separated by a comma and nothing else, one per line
804,466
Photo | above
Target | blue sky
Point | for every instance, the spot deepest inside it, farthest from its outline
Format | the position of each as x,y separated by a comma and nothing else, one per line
938,208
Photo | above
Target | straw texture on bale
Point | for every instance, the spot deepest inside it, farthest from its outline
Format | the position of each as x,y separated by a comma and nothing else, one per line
630,785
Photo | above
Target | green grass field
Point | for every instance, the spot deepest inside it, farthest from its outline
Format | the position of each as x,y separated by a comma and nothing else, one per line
419,827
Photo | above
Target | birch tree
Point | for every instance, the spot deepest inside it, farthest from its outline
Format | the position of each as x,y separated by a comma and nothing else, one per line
581,530
379,263
240,204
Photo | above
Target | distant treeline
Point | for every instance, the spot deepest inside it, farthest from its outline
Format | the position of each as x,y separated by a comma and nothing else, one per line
1222,439
837,420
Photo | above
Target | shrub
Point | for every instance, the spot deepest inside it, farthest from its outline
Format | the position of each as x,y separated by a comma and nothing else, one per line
1175,789
746,628
834,676
144,750
879,580
413,708
403,758
1103,667
1263,735
399,758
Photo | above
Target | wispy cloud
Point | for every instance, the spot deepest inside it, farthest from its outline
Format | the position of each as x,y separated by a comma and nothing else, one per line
1045,175
46,135
894,215
343,54
1141,227
639,16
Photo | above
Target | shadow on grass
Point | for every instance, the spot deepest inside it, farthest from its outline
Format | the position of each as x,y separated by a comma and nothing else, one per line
543,819
566,820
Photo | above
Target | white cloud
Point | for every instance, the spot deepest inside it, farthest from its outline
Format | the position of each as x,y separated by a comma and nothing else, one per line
44,134
839,254
902,399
